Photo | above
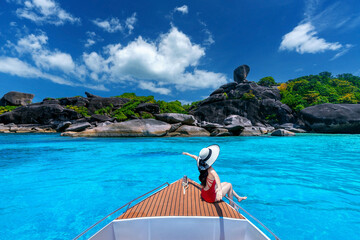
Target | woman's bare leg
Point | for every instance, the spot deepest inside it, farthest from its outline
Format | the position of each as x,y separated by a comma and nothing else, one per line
228,189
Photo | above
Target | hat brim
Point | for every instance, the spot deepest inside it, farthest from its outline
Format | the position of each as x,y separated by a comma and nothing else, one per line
215,151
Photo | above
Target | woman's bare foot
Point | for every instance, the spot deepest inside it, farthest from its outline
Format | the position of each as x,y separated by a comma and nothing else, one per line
241,198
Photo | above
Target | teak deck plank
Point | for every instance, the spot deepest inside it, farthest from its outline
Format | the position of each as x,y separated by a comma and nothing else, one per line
174,210
171,201
157,205
164,203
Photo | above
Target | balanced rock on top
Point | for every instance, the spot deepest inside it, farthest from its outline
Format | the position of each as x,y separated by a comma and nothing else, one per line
240,73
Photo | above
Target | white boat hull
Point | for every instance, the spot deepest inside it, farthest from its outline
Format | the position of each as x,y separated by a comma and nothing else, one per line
206,228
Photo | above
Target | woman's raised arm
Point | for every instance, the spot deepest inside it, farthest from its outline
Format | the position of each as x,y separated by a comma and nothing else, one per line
190,155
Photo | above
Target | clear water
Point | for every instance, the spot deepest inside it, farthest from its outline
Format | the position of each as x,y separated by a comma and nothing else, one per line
303,187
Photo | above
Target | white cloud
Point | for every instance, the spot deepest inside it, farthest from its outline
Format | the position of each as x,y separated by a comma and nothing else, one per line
44,58
45,62
200,79
130,22
45,11
55,60
167,61
16,67
89,42
303,39
91,39
310,8
342,52
183,9
31,43
210,39
100,87
113,25
95,62
152,87
110,25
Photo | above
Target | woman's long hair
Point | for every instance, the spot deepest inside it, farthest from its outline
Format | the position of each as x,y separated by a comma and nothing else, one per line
202,177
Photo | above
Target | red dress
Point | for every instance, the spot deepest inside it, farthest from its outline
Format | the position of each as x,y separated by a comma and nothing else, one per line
210,194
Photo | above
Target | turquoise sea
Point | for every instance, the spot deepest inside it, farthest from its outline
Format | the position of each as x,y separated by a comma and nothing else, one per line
303,187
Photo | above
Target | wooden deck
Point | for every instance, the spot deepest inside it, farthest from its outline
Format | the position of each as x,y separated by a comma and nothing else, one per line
171,201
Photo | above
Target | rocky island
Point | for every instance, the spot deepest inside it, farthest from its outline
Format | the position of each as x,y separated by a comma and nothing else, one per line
238,108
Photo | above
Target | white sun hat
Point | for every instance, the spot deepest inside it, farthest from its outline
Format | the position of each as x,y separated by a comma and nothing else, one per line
208,156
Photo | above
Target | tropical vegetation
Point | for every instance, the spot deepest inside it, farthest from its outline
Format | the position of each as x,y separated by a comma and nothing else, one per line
267,81
127,111
79,109
311,90
4,109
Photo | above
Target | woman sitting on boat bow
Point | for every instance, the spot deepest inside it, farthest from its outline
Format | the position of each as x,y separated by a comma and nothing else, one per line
210,179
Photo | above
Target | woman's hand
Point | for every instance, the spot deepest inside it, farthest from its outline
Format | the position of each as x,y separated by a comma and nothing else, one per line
219,195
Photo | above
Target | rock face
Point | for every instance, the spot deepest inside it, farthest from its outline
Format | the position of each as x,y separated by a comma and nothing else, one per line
241,73
148,107
16,99
220,132
186,130
25,128
132,128
251,131
174,127
98,103
210,126
101,118
62,126
259,104
39,114
292,128
176,118
78,127
236,120
254,110
50,101
89,95
282,132
332,118
75,101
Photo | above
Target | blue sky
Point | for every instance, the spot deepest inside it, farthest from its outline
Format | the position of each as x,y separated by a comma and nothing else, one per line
174,50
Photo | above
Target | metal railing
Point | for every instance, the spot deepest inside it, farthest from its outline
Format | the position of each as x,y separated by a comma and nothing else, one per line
237,207
127,204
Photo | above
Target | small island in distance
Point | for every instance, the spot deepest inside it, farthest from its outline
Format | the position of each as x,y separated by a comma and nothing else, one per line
316,103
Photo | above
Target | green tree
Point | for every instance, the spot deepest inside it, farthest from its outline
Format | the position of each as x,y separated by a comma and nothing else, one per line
325,74
267,81
310,90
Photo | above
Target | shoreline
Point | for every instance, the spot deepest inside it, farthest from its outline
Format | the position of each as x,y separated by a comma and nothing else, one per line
173,125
